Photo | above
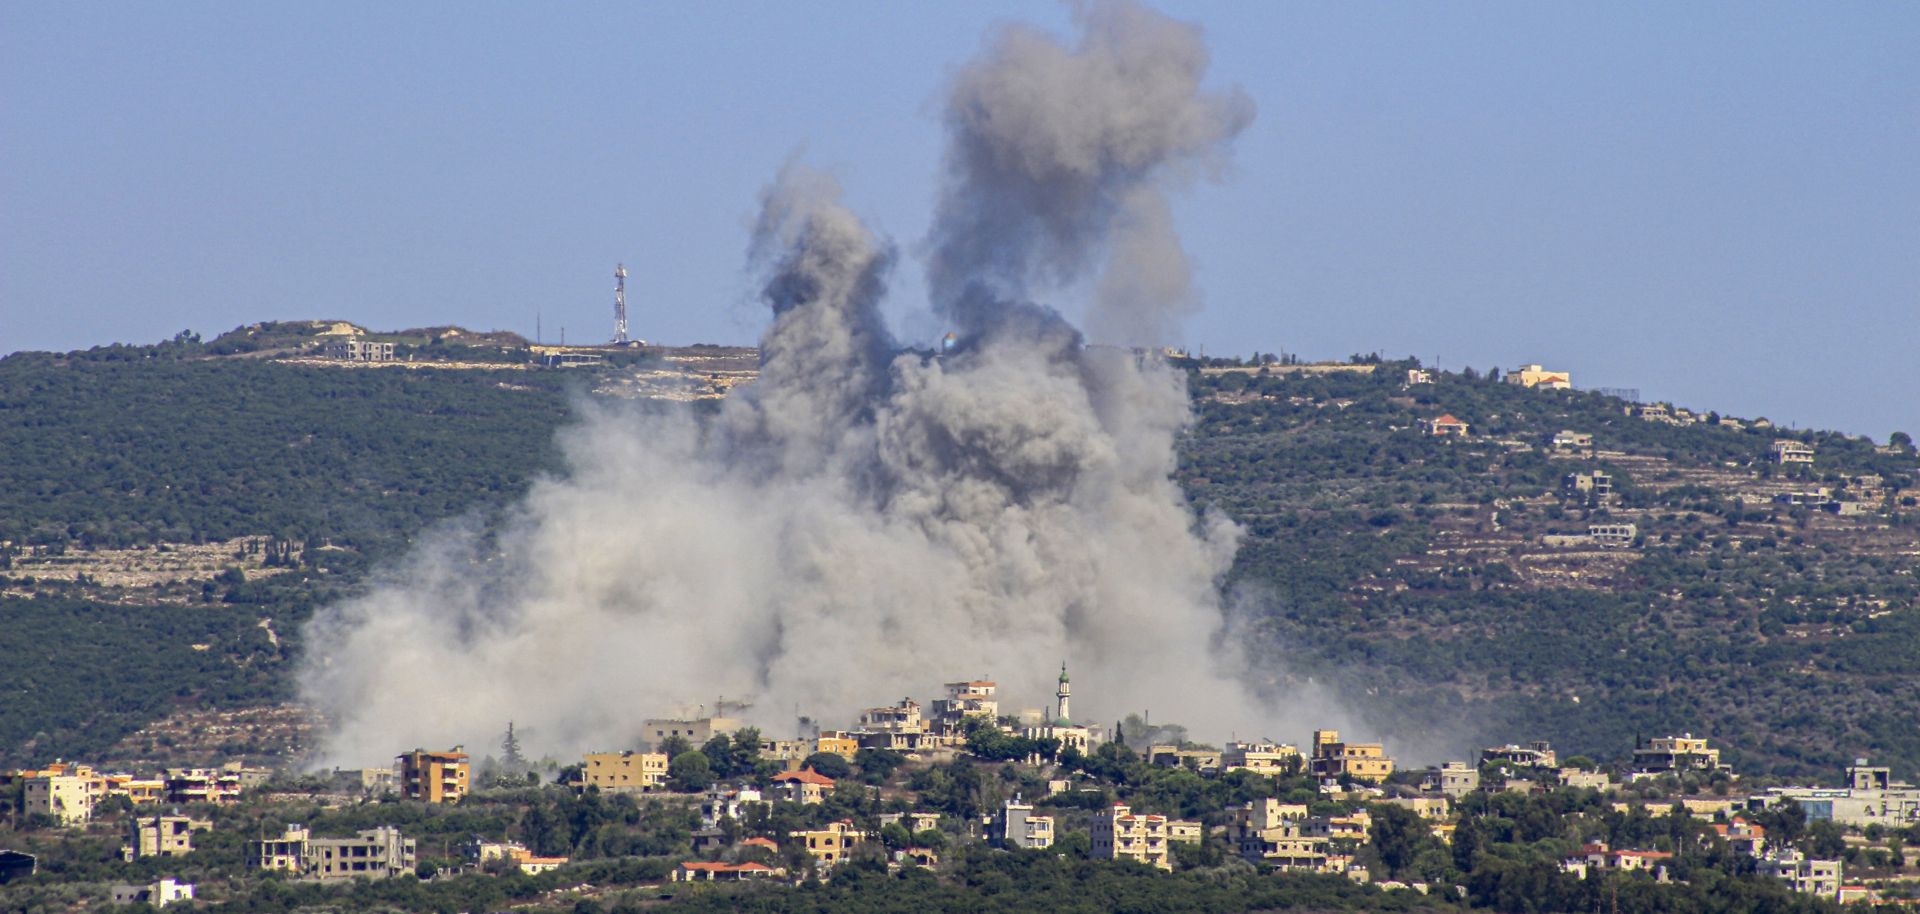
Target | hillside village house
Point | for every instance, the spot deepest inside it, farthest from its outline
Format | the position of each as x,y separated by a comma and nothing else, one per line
714,871
695,730
1676,753
433,777
158,894
1536,376
1123,835
163,836
1788,451
1445,427
1019,827
1419,376
972,698
1262,758
625,772
355,349
804,786
1537,754
375,853
1454,779
830,845
1360,761
1568,440
485,852
1595,483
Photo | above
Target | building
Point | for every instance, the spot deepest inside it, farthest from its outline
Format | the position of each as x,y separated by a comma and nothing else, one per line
285,854
376,853
1584,780
709,871
695,730
973,698
1536,376
163,836
1537,754
1653,412
1676,753
1569,440
1419,376
16,865
1277,834
204,785
1597,856
1594,483
159,894
913,822
433,777
830,845
1206,761
1445,427
625,772
1871,797
1019,827
1454,779
515,854
803,786
366,782
1122,835
724,804
355,349
1814,497
1613,534
839,743
1803,874
1360,761
1743,837
1788,451
64,798
1071,735
1263,758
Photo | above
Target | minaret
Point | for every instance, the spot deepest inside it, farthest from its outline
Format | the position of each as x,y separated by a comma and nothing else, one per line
620,304
1063,694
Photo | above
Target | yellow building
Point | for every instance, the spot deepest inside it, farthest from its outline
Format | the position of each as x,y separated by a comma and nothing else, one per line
839,744
832,844
1262,758
1360,761
1676,753
630,772
1122,835
1536,376
163,836
65,798
435,777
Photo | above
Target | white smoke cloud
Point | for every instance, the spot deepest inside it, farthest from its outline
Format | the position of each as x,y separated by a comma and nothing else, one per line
864,523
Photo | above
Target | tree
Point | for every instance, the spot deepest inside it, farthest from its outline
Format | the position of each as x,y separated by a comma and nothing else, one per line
1900,440
829,764
510,757
690,771
1398,835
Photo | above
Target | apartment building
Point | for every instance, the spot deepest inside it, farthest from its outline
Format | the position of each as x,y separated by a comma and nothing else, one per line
1676,753
433,777
625,772
1262,758
376,853
1019,827
830,845
1537,376
1333,758
163,836
1122,835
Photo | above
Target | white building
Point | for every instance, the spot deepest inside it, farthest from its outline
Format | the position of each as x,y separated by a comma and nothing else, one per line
1019,827
65,798
159,894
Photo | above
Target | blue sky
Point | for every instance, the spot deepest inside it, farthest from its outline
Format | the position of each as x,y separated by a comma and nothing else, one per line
1718,204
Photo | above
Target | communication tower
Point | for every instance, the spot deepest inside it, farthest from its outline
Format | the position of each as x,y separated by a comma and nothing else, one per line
620,304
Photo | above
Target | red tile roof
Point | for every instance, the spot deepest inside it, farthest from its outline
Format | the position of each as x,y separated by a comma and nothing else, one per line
804,776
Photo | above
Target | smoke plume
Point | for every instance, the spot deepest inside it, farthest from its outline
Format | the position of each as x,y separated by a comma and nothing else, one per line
866,522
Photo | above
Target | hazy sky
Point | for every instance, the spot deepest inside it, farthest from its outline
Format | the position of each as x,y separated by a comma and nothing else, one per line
1718,204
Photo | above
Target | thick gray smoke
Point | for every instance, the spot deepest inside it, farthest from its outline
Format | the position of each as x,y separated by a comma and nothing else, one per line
864,522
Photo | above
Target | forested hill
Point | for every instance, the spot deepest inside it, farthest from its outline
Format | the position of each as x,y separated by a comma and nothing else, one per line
170,514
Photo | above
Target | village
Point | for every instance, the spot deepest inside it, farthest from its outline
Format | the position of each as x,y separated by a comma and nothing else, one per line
884,793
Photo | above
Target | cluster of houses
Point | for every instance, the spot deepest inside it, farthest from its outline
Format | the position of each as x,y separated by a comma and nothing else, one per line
1268,832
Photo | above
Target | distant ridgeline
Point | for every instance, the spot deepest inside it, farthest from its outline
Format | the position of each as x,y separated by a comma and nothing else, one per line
1550,564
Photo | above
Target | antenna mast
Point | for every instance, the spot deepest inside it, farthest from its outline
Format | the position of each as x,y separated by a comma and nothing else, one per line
620,303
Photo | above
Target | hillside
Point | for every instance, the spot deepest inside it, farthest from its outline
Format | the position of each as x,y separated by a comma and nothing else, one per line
170,514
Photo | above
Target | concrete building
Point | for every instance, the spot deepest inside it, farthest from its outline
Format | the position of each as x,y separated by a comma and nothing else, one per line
1419,376
695,730
1569,440
830,845
366,782
1743,837
163,836
376,853
1597,856
1676,753
1205,761
64,798
1615,535
972,698
1536,376
159,894
1803,874
1263,758
1788,451
625,772
1078,737
1360,761
286,854
713,871
1454,779
1594,483
1446,426
1019,827
1276,834
1537,754
433,777
724,804
1584,780
355,349
804,786
205,785
1122,835
485,852
1871,797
